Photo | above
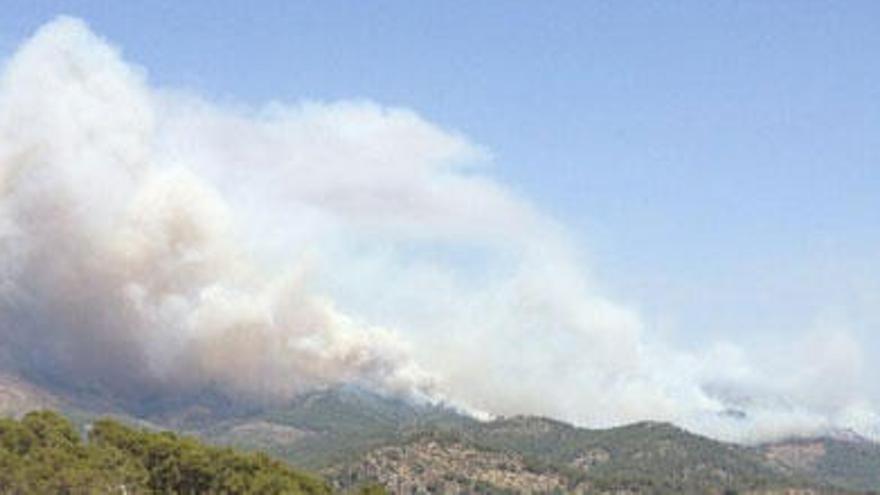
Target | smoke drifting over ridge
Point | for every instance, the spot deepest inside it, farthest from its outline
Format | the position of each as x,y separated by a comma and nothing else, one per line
153,242
129,275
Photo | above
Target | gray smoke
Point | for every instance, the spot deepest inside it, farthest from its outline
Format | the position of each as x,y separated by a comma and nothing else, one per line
122,269
152,242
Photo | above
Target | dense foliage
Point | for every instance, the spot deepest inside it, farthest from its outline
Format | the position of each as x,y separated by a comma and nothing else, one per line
44,453
645,457
338,428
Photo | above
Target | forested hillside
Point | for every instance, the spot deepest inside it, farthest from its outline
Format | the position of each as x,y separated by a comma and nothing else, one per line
354,437
44,453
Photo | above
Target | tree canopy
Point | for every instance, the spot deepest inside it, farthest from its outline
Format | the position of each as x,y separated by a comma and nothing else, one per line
43,453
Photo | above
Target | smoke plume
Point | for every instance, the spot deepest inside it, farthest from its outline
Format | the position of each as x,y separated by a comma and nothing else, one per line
153,242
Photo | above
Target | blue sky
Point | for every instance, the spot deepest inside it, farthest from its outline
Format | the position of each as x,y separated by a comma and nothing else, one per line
718,161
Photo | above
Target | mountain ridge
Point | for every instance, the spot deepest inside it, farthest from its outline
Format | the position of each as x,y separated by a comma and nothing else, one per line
352,435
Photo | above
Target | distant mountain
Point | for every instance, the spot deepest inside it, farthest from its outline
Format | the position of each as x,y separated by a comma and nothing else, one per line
849,462
18,396
352,436
335,426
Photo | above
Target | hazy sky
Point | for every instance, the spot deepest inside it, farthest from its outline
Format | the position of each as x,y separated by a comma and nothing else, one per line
718,162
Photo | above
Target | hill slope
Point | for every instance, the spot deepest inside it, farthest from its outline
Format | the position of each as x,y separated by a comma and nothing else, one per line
352,435
43,453
846,463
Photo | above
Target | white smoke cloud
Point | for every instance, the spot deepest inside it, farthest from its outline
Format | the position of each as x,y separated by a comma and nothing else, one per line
123,267
154,242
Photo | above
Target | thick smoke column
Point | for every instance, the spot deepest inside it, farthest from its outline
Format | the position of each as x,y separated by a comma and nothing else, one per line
123,270
153,243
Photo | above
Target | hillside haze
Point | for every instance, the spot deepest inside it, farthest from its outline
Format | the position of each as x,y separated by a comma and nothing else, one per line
353,436
355,289
159,248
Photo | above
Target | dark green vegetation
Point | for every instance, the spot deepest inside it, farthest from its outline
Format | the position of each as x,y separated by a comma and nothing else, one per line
334,430
331,427
43,453
649,457
352,436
